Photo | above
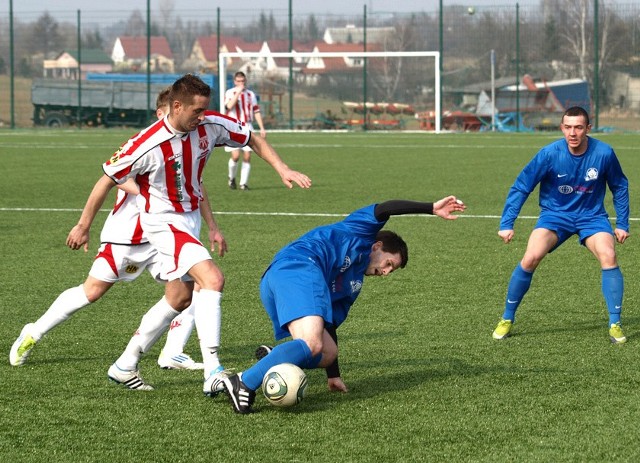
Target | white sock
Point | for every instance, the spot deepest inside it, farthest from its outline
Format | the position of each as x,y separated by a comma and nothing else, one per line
233,169
152,326
208,320
180,329
244,173
67,303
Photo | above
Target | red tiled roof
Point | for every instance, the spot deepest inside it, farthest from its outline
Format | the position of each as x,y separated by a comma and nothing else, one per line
136,47
209,45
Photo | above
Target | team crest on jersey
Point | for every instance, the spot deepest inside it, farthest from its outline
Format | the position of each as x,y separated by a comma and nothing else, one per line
346,264
592,174
356,286
131,268
116,157
203,143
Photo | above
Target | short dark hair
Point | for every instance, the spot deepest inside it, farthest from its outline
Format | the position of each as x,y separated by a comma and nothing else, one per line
393,243
574,111
239,74
187,87
163,98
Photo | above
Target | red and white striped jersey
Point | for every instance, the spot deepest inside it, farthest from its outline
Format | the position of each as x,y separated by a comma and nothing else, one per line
245,107
123,224
168,166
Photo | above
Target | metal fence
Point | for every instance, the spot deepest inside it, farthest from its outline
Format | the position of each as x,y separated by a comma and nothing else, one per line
549,41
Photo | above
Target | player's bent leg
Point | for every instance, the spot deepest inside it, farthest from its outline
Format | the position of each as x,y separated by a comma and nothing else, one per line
311,330
65,305
241,387
207,275
541,241
602,246
172,356
94,288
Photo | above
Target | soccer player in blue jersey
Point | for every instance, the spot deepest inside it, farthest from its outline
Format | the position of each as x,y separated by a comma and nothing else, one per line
573,174
312,283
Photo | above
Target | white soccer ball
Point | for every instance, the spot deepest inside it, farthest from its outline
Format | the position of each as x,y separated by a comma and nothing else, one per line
284,385
471,10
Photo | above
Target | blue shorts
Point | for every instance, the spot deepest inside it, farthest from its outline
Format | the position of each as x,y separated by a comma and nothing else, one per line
292,289
567,225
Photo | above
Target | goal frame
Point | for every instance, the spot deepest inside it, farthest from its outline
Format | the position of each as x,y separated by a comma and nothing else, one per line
222,60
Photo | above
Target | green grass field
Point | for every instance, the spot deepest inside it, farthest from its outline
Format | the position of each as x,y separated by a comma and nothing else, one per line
431,385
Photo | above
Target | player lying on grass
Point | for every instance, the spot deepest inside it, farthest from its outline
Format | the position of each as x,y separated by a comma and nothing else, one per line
573,174
312,283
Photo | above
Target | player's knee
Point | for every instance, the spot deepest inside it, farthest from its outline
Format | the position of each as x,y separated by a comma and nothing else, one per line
93,292
314,345
214,281
607,258
180,302
530,262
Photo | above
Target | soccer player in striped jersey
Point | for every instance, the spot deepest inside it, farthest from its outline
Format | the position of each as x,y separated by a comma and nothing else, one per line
573,174
312,282
242,103
167,160
123,255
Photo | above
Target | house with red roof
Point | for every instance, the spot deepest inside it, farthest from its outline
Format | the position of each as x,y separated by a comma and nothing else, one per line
130,54
65,65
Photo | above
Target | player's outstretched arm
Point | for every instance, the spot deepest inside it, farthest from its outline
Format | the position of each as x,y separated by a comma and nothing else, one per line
447,206
263,149
79,235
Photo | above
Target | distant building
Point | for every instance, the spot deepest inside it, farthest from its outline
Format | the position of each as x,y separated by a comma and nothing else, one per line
130,54
65,65
353,34
318,66
204,52
624,88
268,66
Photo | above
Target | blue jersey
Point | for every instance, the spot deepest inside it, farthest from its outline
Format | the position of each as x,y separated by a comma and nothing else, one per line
341,251
572,185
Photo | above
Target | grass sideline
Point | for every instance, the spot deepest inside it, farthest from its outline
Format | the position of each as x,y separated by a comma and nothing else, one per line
427,381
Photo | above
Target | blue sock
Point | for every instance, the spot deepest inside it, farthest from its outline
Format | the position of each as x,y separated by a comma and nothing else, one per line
295,351
518,287
613,289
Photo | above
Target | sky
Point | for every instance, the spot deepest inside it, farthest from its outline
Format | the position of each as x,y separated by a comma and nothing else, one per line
335,7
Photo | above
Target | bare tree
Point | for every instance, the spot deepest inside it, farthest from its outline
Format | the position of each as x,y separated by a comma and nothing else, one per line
136,25
576,32
45,36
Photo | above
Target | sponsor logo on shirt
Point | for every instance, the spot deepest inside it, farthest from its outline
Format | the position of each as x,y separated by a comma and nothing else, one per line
177,179
565,189
131,269
592,174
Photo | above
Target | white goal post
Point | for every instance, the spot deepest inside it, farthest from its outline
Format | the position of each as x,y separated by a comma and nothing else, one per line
224,56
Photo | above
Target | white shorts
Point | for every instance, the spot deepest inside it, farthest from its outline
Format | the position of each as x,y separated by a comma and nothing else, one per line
117,262
175,237
247,148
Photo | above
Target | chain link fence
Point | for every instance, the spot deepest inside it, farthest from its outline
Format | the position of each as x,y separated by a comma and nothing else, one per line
551,41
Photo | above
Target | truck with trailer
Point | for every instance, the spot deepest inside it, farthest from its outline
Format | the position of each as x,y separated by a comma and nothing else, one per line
102,103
